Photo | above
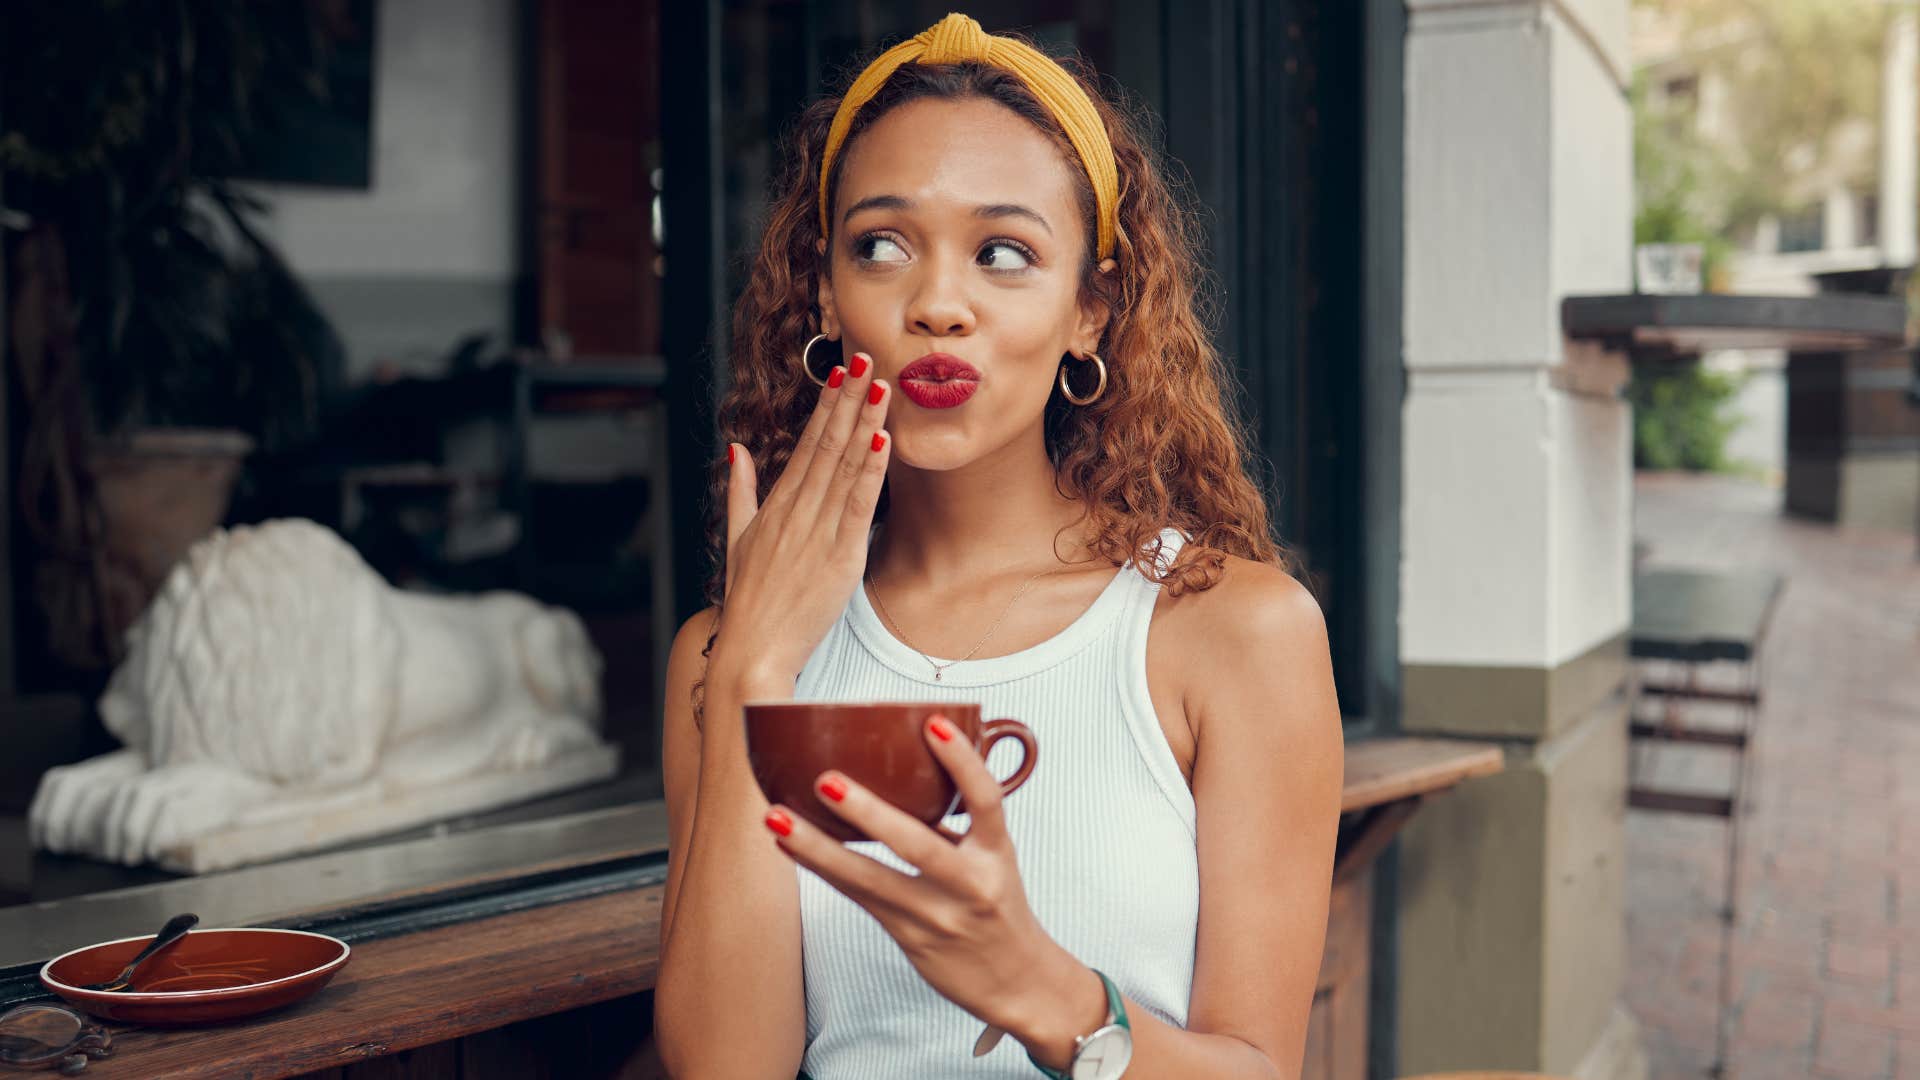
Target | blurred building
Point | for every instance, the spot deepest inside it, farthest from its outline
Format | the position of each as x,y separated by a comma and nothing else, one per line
1845,205
1852,195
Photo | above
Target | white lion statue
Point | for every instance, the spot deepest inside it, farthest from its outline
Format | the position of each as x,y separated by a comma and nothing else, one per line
278,696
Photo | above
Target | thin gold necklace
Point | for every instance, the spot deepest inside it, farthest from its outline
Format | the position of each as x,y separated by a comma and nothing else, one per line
939,668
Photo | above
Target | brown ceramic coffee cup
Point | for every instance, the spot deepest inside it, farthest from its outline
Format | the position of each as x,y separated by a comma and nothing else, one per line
879,745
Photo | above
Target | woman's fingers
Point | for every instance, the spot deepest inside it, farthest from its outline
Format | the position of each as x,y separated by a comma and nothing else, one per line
855,465
922,848
979,791
804,446
743,502
880,889
863,495
836,440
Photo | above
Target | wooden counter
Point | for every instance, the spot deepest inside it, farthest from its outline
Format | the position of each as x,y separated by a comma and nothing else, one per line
423,989
1386,781
467,1000
1381,771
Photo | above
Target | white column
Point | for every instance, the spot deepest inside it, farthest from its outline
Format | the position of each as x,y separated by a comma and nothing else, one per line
1899,83
1839,222
1516,536
1519,191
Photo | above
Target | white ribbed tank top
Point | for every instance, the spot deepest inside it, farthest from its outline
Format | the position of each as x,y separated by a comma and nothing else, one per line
1104,831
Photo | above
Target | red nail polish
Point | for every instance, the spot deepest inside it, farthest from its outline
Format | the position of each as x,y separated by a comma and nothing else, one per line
875,393
834,788
729,453
879,442
839,376
859,365
779,822
941,729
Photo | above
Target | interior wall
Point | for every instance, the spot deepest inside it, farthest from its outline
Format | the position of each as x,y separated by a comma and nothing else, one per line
429,253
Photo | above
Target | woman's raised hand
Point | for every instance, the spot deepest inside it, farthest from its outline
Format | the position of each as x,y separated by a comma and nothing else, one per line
793,561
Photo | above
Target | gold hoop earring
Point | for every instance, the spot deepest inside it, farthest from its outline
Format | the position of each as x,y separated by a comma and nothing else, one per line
1067,391
806,351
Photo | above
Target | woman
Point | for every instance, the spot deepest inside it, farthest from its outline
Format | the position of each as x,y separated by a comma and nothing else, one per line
1060,503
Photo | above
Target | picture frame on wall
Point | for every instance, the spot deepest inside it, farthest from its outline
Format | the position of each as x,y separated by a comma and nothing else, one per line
322,136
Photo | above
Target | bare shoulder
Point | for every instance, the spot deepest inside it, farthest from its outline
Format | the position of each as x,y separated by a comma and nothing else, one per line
691,640
1252,605
686,661
1253,645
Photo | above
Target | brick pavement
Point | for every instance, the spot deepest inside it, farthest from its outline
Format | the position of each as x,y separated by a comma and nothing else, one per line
1827,943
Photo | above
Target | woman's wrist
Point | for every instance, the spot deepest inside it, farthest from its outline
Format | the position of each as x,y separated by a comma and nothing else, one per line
741,679
1066,1002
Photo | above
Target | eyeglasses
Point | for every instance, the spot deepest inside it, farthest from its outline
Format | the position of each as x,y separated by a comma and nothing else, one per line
50,1036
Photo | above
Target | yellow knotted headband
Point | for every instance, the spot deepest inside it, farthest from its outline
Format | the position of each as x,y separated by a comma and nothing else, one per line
957,39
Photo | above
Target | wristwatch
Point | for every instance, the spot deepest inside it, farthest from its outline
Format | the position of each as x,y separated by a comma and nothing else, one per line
1106,1052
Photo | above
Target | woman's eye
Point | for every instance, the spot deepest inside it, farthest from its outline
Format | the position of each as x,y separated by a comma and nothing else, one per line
879,249
999,256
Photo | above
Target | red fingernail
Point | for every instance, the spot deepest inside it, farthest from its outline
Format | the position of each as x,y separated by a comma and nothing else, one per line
839,376
875,393
879,442
941,729
729,453
779,822
859,364
834,788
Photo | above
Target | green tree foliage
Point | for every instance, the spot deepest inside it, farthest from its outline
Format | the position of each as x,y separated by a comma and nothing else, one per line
1680,417
1673,177
1786,75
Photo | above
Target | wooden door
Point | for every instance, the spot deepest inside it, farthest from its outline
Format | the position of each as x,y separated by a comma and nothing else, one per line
598,91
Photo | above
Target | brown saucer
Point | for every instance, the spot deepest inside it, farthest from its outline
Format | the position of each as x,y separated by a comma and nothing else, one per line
209,975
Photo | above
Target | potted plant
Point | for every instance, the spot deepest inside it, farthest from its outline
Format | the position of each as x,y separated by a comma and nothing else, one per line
155,337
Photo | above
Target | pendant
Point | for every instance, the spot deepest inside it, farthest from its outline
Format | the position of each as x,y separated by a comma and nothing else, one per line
936,674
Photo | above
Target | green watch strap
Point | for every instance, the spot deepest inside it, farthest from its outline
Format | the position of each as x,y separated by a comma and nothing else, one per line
1116,1007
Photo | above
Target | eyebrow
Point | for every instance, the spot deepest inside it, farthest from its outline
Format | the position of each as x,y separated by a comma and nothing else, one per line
876,202
990,210
1001,210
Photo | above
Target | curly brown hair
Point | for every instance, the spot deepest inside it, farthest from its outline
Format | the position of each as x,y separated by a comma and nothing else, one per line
1161,446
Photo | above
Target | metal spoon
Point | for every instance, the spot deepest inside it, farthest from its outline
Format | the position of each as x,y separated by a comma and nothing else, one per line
175,929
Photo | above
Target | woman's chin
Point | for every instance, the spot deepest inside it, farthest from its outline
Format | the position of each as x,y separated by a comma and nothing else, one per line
926,462
933,451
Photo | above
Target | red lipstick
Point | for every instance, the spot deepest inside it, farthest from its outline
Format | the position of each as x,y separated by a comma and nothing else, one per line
938,381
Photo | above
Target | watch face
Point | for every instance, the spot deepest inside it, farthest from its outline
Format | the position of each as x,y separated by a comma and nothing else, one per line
1105,1054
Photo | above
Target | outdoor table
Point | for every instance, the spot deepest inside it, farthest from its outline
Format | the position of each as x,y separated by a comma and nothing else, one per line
1844,374
1650,325
554,989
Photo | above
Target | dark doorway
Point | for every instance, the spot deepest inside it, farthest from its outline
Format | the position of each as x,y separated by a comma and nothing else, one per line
598,172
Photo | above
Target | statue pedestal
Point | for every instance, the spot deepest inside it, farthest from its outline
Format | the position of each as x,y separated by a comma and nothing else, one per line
297,825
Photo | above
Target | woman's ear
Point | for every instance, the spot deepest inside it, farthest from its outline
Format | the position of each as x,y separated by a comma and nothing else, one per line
829,322
1094,315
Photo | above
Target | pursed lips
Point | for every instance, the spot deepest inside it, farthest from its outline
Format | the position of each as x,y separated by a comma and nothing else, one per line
939,381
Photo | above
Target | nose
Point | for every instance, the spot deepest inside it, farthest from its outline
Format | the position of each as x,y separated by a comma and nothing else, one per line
941,307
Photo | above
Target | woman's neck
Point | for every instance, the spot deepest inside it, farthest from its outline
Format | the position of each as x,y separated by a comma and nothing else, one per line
1001,514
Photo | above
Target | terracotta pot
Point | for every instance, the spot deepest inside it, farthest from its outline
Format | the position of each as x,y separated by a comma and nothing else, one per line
160,489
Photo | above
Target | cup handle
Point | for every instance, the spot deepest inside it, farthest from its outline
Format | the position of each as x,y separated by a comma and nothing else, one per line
993,731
